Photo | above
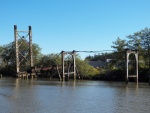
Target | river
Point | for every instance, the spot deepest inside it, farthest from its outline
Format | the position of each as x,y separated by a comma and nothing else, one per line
45,96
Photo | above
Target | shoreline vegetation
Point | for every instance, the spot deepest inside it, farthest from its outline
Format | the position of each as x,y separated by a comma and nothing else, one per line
113,75
112,70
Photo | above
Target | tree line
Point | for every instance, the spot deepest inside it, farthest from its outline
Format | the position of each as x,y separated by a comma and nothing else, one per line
114,71
140,41
8,65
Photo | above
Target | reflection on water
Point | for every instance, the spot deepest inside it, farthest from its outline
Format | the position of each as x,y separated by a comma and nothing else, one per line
44,96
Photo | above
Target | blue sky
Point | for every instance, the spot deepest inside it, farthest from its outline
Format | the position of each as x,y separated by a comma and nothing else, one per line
89,25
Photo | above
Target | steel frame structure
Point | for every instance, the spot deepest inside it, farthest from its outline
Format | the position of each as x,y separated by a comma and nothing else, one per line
19,56
72,53
128,52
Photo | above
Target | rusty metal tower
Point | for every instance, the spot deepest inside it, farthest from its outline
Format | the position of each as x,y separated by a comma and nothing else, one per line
22,56
128,52
65,75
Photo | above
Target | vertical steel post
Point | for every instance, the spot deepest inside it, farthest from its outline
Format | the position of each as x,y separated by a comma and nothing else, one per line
149,76
58,72
136,56
67,78
63,68
127,65
74,65
30,46
16,49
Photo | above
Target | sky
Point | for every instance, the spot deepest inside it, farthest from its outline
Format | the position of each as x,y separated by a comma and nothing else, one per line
81,25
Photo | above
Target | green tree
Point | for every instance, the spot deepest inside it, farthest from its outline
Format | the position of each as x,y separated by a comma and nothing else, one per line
48,60
85,70
119,46
1,59
8,53
141,41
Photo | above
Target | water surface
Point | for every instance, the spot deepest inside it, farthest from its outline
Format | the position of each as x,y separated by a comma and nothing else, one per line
45,96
